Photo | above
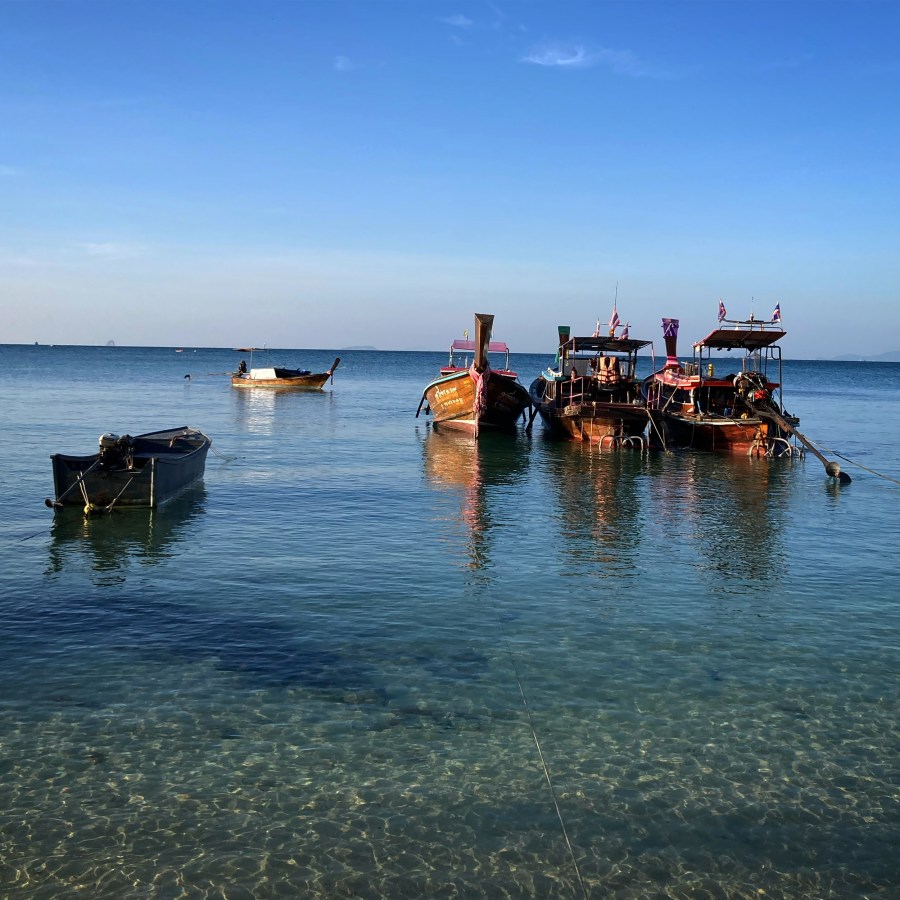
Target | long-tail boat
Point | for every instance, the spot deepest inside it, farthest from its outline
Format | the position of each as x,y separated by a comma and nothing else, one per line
147,470
711,405
593,394
278,376
476,396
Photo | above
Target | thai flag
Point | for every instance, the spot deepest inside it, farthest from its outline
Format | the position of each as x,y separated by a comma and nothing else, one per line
722,312
624,334
597,330
613,321
776,314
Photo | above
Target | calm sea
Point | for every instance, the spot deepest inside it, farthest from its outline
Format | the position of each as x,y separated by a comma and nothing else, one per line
366,659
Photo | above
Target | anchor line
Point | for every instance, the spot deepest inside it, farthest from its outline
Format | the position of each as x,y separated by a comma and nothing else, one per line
89,507
222,455
546,768
859,465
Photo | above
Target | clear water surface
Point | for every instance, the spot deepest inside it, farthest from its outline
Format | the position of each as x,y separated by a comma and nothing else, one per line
309,675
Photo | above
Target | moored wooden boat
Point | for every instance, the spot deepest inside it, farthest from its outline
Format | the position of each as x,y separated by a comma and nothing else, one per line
147,470
593,395
695,406
476,396
280,377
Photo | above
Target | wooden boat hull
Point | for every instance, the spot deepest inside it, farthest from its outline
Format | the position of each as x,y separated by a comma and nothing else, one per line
285,378
303,382
732,412
453,399
593,421
718,434
162,465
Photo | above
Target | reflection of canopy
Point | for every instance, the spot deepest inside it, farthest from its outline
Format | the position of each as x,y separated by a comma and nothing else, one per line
746,338
493,346
605,344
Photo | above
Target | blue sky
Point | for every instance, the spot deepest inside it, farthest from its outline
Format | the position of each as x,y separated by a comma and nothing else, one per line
326,174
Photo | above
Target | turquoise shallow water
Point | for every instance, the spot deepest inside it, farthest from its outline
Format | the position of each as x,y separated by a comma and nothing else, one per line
306,677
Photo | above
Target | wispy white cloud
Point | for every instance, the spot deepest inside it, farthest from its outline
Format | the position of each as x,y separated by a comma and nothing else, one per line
344,64
571,57
577,56
457,21
12,260
109,249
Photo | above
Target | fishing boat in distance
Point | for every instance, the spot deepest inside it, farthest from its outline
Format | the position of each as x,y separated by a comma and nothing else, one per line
147,470
278,376
476,396
593,393
722,406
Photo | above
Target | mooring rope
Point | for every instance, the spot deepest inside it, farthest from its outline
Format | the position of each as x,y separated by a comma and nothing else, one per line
655,427
540,751
853,462
222,455
91,507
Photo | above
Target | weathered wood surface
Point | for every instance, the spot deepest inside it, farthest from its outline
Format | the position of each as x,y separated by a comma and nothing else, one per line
452,401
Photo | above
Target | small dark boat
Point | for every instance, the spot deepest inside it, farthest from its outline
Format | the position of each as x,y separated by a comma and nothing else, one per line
280,377
707,405
471,397
593,395
147,470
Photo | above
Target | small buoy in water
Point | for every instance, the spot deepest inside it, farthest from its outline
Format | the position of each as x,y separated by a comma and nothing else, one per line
833,469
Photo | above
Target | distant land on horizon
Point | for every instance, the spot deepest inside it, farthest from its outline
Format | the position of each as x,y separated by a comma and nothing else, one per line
890,356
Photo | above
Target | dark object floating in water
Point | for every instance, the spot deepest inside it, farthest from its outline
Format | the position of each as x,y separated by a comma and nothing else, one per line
147,470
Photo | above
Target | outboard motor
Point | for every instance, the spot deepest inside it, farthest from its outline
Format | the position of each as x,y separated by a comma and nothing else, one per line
115,451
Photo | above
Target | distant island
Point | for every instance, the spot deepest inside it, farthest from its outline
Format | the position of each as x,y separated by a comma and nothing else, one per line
110,343
890,356
359,348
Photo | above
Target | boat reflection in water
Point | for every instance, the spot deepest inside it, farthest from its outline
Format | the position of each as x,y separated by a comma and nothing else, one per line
477,470
255,408
109,546
730,511
598,505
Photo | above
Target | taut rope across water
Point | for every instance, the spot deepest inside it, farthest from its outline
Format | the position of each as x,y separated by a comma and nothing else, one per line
543,759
